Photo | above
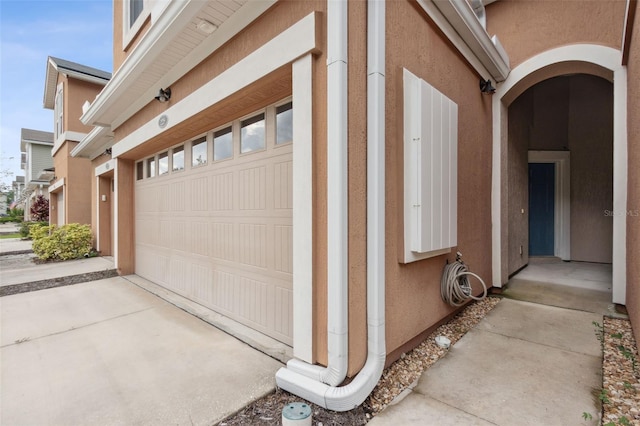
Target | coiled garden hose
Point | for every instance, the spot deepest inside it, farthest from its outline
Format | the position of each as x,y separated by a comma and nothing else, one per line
454,285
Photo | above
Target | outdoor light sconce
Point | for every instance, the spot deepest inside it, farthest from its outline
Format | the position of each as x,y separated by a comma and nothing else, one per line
164,95
486,88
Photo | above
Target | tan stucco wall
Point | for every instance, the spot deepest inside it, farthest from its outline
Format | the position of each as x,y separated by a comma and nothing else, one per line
77,92
77,184
413,297
95,193
566,113
528,27
633,201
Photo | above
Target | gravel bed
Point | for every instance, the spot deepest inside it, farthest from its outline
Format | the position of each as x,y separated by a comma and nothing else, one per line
397,377
620,394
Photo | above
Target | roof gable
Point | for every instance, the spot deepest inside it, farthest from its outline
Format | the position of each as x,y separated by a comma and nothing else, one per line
56,66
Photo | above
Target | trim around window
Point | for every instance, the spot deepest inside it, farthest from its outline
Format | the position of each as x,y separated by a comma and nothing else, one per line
131,25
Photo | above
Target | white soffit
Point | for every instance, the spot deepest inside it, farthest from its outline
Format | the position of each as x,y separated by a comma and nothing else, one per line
170,49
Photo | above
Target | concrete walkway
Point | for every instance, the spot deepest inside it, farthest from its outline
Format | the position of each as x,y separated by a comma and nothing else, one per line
524,364
109,352
20,269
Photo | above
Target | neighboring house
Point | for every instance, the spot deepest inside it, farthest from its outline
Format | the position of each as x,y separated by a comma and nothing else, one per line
18,187
68,86
35,146
308,168
3,204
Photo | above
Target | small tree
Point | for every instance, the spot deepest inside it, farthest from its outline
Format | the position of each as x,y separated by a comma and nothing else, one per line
40,209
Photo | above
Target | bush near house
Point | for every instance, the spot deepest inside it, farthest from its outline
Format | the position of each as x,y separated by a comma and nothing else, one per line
40,209
25,228
70,241
15,215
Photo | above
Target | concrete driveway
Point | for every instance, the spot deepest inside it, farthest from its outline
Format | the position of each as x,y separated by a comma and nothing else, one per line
109,352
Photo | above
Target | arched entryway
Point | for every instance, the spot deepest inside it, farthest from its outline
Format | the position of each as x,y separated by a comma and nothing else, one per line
555,73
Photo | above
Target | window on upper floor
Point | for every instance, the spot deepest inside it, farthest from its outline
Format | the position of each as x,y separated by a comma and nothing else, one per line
58,112
135,12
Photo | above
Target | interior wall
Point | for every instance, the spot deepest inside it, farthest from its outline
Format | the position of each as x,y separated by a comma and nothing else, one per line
572,113
591,144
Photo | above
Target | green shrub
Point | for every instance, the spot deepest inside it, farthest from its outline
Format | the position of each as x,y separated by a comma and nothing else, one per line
26,226
71,241
17,214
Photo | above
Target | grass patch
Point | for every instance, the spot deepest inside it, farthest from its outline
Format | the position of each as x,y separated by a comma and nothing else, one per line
6,236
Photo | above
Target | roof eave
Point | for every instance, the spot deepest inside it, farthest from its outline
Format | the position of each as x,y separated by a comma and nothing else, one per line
50,83
94,143
166,27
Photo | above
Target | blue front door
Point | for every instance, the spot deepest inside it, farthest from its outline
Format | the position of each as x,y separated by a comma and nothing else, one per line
541,208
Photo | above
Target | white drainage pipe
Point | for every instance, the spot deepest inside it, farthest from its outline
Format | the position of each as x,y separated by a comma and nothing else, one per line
298,378
337,207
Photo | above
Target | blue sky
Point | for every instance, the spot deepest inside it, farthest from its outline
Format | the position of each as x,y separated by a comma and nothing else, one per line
30,31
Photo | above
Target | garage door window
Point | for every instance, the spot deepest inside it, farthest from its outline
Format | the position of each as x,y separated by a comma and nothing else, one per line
163,163
139,170
178,158
284,123
199,152
252,134
151,167
222,144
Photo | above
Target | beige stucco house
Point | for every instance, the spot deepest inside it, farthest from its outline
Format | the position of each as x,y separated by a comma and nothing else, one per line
307,168
68,86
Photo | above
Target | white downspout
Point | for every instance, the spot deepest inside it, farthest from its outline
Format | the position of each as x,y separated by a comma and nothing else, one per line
301,379
337,205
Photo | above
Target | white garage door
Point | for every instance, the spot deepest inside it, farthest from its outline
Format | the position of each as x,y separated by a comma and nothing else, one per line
221,233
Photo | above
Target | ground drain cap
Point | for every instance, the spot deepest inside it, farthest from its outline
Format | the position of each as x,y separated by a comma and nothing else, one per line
296,413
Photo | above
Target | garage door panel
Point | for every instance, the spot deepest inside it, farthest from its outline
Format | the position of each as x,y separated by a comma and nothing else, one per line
221,235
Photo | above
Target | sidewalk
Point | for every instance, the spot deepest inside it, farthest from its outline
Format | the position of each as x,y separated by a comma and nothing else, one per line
523,364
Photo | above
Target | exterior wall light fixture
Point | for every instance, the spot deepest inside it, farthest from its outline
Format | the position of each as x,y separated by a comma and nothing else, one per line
486,87
164,95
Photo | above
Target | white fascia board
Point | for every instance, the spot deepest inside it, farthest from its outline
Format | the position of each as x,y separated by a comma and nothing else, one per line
50,85
293,43
460,25
175,17
232,26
